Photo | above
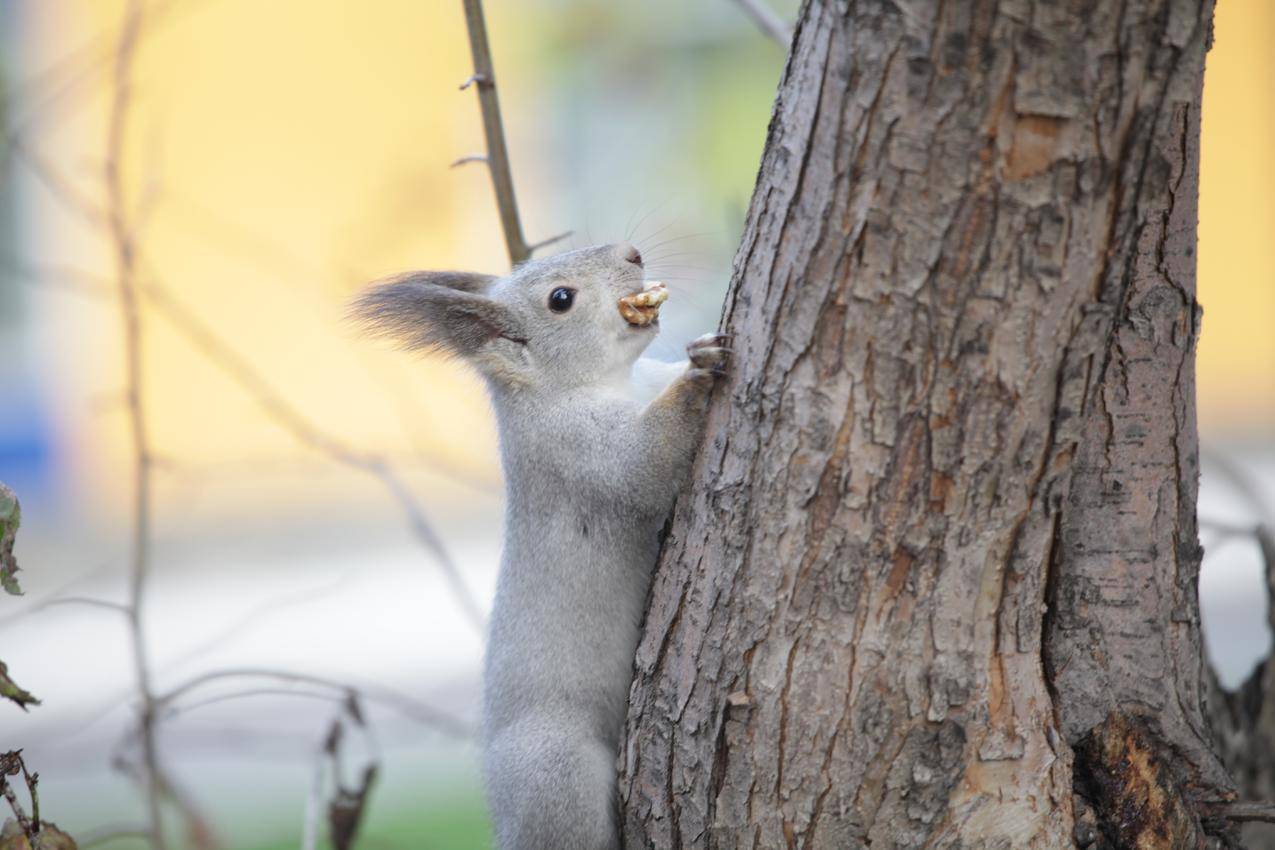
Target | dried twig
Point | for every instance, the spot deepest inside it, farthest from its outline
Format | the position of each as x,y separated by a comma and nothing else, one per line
347,806
767,21
402,703
545,243
241,371
86,601
303,430
121,231
11,764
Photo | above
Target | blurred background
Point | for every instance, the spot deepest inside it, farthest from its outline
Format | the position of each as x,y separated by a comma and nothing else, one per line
277,156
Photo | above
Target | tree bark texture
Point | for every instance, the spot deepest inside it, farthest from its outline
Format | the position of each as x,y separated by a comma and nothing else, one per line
938,559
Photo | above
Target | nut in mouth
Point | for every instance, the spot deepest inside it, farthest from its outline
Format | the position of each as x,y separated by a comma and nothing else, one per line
643,308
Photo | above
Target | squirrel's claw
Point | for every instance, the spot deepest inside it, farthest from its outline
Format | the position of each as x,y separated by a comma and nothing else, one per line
707,353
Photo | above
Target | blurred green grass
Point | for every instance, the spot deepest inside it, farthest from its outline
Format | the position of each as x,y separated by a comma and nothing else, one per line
448,823
443,822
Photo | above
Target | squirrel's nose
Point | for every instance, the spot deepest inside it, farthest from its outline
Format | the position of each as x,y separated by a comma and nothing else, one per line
630,253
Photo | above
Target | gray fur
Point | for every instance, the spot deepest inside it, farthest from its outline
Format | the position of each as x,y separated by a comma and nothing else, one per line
591,471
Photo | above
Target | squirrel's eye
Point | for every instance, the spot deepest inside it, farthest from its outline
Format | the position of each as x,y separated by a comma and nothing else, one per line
561,299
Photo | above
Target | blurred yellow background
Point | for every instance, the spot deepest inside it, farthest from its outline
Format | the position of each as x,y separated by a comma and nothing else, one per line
281,154
1236,367
286,152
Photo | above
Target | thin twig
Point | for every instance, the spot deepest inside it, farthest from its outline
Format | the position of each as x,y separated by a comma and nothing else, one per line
122,239
1241,811
11,764
292,420
493,128
467,159
767,20
185,708
117,607
405,705
6,790
545,243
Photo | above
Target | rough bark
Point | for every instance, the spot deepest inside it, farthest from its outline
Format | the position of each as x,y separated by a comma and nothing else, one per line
965,322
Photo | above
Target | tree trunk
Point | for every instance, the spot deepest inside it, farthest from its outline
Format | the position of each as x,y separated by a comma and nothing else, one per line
938,561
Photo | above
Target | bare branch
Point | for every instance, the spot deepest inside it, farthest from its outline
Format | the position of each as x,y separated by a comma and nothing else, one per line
545,243
345,811
243,373
467,159
121,231
11,764
767,21
328,696
117,607
403,704
493,128
292,420
63,190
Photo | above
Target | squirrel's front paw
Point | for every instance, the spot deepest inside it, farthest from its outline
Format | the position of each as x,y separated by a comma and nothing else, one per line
709,354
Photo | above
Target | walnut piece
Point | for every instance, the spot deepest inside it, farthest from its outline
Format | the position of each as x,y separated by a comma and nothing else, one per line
643,307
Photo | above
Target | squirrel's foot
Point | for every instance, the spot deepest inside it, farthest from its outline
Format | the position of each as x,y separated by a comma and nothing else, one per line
709,355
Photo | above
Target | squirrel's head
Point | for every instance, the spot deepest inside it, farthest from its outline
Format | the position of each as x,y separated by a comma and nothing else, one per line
554,322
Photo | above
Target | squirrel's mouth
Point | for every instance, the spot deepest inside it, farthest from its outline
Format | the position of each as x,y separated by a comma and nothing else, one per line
643,308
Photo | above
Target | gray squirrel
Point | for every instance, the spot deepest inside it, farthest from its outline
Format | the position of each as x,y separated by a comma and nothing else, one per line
595,445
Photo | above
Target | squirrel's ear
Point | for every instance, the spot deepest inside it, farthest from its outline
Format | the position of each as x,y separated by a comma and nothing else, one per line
462,281
436,310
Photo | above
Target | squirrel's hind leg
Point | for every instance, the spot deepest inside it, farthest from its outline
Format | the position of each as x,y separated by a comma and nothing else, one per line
551,790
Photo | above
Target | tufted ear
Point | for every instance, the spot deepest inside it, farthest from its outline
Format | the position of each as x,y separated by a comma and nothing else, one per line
441,311
462,281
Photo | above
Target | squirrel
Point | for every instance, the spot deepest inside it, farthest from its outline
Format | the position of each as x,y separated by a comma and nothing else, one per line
595,444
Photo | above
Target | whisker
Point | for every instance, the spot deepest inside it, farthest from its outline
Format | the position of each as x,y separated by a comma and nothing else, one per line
656,232
664,242
629,234
654,261
682,270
